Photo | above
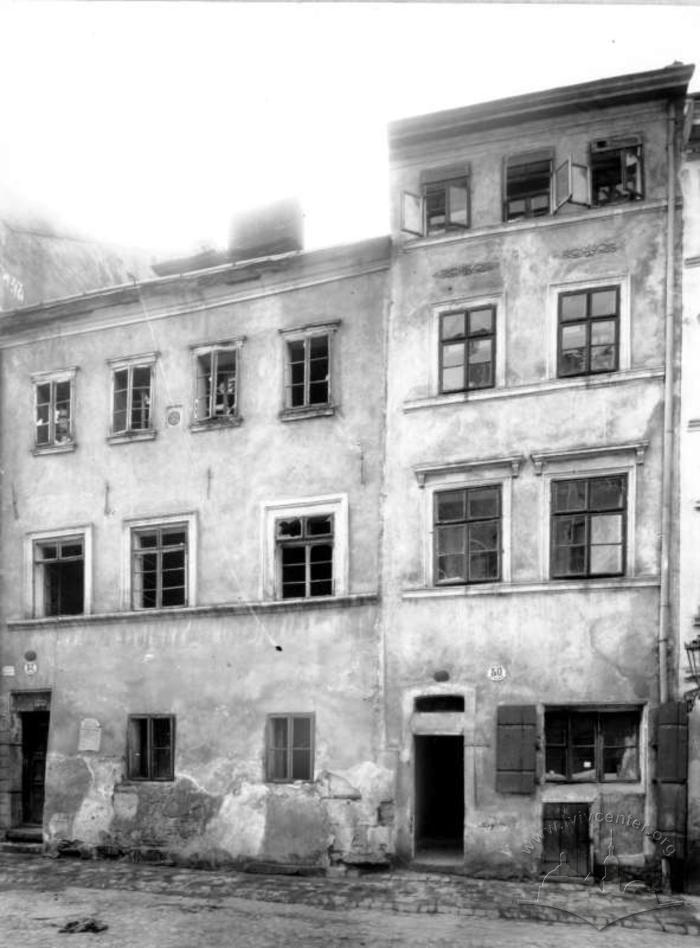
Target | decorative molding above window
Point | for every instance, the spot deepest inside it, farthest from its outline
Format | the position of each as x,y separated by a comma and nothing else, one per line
425,471
542,458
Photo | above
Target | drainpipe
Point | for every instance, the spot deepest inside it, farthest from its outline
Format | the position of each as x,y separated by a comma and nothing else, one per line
668,443
669,383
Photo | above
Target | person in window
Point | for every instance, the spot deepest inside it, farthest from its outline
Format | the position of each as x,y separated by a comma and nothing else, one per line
62,426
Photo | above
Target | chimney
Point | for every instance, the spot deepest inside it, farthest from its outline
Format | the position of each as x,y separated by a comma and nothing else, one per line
266,231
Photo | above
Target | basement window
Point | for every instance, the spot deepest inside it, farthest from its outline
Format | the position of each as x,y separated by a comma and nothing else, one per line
583,746
289,747
59,576
151,747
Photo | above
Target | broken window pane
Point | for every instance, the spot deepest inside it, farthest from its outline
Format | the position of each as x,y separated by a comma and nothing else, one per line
59,578
305,551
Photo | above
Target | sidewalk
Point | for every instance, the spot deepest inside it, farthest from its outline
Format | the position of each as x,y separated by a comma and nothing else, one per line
400,891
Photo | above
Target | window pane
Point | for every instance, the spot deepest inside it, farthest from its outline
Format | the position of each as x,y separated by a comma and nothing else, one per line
62,392
318,393
483,536
289,528
604,303
480,363
43,394
607,493
138,748
301,765
620,763
453,379
278,732
436,209
583,728
603,358
450,505
277,764
583,763
556,728
481,321
318,347
176,537
301,732
606,560
47,551
451,554
145,540
453,355
573,336
319,526
606,529
458,205
452,325
483,502
569,561
573,306
569,495
483,566
555,762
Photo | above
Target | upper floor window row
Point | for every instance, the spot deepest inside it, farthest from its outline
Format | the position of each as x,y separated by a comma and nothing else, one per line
308,369
534,184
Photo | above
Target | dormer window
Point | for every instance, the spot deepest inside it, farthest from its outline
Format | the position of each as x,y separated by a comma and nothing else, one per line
528,185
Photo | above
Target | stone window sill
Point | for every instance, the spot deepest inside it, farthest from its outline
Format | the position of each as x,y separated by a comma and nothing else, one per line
550,586
217,424
127,437
54,448
312,411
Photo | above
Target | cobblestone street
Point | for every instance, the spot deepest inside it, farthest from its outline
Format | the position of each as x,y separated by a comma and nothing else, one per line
169,907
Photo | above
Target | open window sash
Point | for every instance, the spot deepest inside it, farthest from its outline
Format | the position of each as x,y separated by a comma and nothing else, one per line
458,206
570,184
412,214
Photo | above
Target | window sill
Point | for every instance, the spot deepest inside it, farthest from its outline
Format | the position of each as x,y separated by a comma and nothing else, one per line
187,613
509,589
217,424
532,223
126,437
311,411
533,388
54,448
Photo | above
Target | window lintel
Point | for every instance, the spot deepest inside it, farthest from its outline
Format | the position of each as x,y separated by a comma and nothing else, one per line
57,375
424,472
201,348
541,459
311,329
143,358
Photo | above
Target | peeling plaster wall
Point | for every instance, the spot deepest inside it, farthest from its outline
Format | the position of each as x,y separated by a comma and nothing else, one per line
566,643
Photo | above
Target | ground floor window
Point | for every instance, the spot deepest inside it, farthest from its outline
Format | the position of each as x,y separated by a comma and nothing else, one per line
151,747
290,747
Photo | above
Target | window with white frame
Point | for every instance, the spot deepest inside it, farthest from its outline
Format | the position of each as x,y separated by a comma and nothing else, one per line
58,570
132,395
216,383
306,548
53,409
160,569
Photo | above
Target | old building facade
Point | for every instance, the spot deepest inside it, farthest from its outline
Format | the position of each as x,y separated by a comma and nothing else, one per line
369,553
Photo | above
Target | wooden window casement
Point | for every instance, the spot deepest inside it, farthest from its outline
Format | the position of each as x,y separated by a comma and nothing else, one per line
216,381
53,411
583,746
305,556
159,566
588,331
467,535
616,171
289,747
59,576
588,527
441,207
132,398
528,185
467,349
309,371
151,747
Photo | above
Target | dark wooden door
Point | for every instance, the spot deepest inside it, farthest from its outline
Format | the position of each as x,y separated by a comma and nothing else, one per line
566,840
35,737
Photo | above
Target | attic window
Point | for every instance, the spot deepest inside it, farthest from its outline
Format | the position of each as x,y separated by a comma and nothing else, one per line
616,171
527,185
439,703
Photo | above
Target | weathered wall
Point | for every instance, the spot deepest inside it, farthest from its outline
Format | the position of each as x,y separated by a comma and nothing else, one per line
572,642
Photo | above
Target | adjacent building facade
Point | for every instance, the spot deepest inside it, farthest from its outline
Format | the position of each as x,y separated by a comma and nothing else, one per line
370,553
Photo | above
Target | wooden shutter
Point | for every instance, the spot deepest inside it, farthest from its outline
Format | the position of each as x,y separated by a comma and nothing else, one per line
412,214
516,743
672,743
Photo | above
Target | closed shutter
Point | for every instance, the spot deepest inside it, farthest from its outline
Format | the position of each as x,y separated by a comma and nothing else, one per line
516,743
672,773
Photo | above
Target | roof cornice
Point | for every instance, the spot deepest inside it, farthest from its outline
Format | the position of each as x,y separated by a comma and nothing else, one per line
667,83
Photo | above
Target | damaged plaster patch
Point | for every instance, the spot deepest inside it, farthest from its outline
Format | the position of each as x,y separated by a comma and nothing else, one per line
96,811
239,826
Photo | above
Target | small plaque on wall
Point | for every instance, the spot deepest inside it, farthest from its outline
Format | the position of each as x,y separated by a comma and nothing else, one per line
90,735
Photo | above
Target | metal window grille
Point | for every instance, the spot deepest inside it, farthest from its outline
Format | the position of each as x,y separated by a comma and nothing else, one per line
468,349
589,331
159,567
305,551
588,527
53,412
151,747
467,535
290,747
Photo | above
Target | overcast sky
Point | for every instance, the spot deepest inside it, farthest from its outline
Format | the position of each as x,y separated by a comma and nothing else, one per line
151,123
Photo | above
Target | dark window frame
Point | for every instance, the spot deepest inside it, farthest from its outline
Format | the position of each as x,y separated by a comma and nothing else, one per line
43,573
465,522
132,754
307,540
145,409
309,400
465,339
444,186
160,550
289,748
600,719
589,321
514,174
587,513
616,154
219,407
59,430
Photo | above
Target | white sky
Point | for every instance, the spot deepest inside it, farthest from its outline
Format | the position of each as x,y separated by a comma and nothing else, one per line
151,123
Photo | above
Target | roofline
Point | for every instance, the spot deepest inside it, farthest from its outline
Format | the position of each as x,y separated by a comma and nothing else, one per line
669,82
128,292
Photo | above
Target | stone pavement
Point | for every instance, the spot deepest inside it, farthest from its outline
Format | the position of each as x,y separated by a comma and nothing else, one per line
402,892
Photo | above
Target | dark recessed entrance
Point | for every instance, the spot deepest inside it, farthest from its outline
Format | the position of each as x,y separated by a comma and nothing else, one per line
35,736
439,793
